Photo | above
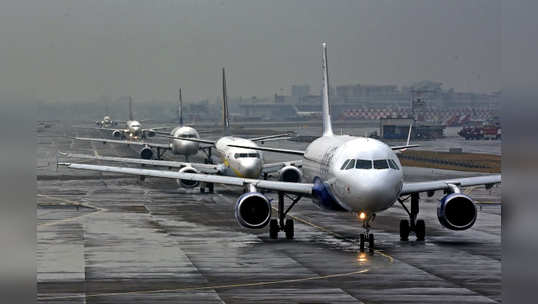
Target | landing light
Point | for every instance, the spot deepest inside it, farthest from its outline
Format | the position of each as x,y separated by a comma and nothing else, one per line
362,258
362,215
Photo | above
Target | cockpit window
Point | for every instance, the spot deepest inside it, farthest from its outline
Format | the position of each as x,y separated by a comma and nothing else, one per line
393,164
351,164
381,164
363,164
245,155
345,164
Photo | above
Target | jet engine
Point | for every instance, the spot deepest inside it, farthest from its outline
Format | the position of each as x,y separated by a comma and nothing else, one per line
290,174
253,210
457,211
188,183
146,153
117,134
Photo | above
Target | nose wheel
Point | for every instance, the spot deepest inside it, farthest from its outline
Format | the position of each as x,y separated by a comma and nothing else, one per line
367,236
413,224
283,224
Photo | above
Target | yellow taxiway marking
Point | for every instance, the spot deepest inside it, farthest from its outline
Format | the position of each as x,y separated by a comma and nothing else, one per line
471,189
73,203
224,286
390,258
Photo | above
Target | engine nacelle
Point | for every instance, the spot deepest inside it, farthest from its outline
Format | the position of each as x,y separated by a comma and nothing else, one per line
188,183
457,211
149,133
146,153
117,134
253,210
290,174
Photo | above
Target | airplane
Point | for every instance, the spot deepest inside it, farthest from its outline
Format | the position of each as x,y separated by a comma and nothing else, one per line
134,135
342,173
178,146
235,162
107,122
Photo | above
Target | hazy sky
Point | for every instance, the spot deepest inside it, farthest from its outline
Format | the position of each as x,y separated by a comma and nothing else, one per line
80,50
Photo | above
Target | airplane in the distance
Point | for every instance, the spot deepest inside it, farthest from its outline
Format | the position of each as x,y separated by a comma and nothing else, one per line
229,161
134,135
107,122
342,173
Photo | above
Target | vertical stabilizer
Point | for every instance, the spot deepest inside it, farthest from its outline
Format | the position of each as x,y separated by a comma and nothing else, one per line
225,113
327,126
131,108
180,109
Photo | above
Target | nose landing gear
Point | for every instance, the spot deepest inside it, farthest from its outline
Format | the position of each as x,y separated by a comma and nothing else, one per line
413,224
367,236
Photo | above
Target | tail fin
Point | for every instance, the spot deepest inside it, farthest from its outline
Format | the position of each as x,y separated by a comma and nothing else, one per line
180,109
131,108
327,125
225,113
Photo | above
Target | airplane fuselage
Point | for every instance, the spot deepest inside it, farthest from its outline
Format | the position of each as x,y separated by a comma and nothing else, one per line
184,147
355,174
134,130
239,162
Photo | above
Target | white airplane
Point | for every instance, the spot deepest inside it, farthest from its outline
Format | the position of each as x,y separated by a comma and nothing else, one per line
229,161
343,173
134,135
178,146
107,122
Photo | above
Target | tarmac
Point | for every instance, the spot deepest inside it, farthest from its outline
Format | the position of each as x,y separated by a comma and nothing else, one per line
104,238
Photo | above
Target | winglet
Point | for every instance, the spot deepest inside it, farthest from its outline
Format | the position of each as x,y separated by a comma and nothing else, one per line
327,125
409,134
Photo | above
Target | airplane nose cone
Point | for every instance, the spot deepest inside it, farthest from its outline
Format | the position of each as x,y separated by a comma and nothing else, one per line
373,194
251,168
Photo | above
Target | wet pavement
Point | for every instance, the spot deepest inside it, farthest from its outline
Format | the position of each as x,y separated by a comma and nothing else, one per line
105,238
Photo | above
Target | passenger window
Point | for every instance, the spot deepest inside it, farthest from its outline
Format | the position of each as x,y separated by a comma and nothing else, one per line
253,155
393,164
351,164
363,164
345,164
242,155
381,164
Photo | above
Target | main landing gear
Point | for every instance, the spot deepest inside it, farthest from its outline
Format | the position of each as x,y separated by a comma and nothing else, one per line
366,236
207,151
283,224
413,224
210,187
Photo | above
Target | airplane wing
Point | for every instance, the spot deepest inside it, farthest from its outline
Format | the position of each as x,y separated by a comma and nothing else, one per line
204,168
199,140
416,187
300,188
403,147
275,136
273,167
407,145
100,128
277,150
125,142
158,128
